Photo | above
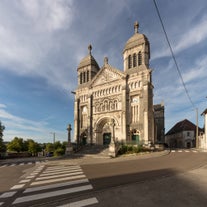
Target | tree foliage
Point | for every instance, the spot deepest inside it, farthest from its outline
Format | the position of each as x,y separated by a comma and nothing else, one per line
16,145
2,145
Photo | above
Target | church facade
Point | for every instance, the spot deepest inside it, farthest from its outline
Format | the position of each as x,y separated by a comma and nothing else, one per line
110,103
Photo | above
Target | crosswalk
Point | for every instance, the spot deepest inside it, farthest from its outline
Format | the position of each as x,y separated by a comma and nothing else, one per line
47,183
22,163
184,150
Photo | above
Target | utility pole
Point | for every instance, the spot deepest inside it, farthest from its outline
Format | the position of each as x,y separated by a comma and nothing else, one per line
53,136
197,143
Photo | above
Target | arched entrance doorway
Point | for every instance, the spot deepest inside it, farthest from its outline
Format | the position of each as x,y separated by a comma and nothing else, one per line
104,131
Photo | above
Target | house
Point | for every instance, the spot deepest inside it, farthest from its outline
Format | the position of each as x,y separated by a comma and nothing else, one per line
202,143
182,135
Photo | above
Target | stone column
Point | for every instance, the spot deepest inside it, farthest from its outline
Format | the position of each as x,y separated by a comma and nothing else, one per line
113,149
69,147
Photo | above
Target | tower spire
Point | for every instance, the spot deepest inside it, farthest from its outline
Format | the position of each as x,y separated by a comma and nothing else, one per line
89,49
136,26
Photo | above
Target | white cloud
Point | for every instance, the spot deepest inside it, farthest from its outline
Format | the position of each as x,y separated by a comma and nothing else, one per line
25,128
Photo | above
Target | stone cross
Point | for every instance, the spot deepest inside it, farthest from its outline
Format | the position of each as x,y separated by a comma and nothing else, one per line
69,130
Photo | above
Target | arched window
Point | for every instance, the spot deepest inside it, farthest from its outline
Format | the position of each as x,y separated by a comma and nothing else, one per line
139,58
134,60
84,77
87,76
81,77
129,61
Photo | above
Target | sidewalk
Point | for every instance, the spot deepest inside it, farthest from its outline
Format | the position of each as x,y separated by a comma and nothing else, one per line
96,159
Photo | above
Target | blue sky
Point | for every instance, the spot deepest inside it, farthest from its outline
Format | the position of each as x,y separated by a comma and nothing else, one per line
43,41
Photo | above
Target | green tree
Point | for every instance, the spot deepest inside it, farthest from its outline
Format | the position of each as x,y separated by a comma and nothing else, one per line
2,145
33,147
16,145
49,147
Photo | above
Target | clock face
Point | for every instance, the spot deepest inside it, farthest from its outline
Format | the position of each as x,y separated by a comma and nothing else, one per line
135,100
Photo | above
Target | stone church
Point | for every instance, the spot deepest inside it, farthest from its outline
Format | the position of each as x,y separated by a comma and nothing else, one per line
110,103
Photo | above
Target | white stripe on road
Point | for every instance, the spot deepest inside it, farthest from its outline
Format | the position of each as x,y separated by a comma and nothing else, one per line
17,186
82,203
187,151
52,194
21,163
58,185
58,173
24,181
1,203
57,180
29,177
29,163
195,151
60,169
58,176
180,151
172,150
13,165
8,194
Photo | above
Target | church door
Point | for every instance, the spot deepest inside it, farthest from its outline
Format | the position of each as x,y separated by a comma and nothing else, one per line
135,137
106,138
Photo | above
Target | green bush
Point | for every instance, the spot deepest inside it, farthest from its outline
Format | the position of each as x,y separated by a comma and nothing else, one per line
59,151
129,149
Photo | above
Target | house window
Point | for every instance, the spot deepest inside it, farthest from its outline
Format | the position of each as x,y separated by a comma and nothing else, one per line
81,76
188,134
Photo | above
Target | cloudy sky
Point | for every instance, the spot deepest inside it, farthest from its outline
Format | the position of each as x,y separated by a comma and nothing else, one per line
43,41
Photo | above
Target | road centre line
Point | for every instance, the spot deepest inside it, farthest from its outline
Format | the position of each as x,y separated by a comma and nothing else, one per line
57,180
61,172
58,176
52,194
81,203
56,185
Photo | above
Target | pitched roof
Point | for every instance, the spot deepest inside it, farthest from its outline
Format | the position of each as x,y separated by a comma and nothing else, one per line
184,125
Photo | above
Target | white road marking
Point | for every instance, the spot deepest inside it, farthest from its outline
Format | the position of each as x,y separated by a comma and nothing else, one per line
172,150
17,186
8,194
61,172
1,203
57,185
187,151
29,177
58,176
21,163
180,151
81,203
25,181
51,194
29,163
64,167
57,180
13,165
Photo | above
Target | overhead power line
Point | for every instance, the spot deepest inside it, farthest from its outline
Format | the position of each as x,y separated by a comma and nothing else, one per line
173,56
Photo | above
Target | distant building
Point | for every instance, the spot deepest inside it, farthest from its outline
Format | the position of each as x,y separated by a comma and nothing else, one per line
203,137
159,116
109,100
182,135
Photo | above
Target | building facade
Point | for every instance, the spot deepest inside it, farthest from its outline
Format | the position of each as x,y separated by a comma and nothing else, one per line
202,139
110,101
182,135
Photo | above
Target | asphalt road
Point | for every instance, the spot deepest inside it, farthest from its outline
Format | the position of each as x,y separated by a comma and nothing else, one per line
175,179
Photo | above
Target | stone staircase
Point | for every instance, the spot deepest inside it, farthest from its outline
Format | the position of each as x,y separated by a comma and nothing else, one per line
94,151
